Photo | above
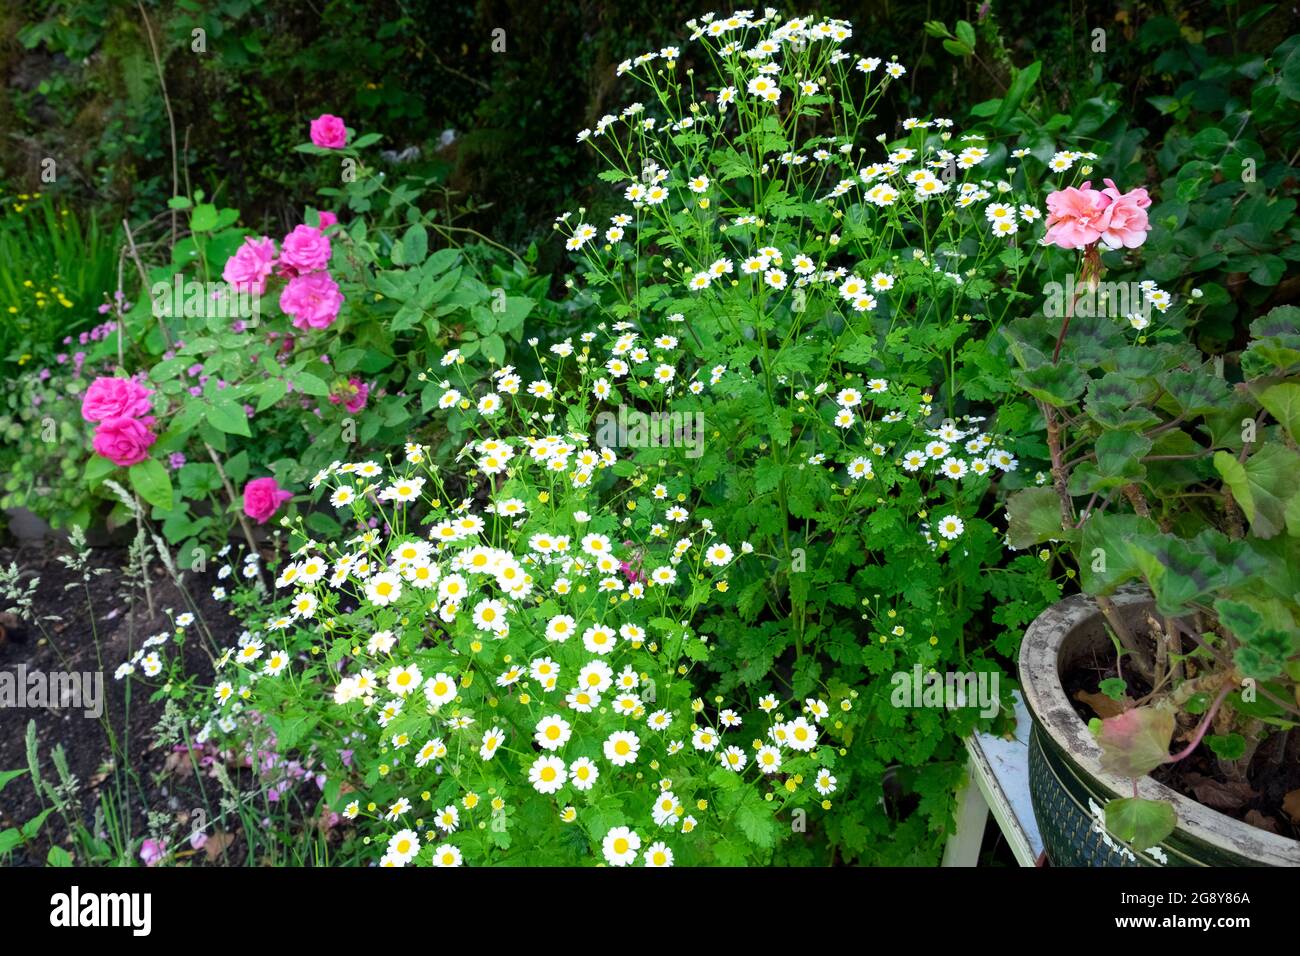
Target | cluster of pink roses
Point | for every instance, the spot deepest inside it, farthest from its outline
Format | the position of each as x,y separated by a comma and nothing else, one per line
122,409
1078,218
311,296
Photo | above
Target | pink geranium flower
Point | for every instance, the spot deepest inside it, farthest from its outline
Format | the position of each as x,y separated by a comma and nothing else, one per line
1078,218
123,441
327,130
263,497
1125,221
305,250
1074,216
109,397
249,267
313,300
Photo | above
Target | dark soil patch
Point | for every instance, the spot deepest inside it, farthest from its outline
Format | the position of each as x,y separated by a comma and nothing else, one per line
100,625
1256,793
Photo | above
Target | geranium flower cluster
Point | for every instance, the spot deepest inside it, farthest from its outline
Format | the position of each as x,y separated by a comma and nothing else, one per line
122,411
1078,218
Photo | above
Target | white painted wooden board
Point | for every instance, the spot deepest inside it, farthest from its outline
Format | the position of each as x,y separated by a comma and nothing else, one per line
999,770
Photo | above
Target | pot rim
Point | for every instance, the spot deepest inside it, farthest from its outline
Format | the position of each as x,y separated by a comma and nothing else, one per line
1051,709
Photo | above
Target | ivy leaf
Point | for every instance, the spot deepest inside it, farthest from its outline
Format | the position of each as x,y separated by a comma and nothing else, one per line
1140,822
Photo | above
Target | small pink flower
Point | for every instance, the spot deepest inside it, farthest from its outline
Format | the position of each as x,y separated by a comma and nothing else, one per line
328,219
327,130
353,395
249,267
1125,221
305,250
1075,216
123,441
262,499
313,300
152,851
109,397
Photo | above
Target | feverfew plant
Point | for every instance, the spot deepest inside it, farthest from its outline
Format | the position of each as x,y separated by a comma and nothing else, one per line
841,286
502,670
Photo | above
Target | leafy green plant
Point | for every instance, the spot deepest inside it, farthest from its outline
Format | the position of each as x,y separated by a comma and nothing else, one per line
1170,474
832,299
243,393
63,263
495,683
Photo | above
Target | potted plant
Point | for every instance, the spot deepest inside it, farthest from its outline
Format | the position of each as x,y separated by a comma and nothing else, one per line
1165,697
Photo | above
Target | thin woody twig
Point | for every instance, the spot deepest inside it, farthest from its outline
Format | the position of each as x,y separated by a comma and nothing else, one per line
243,522
144,279
167,103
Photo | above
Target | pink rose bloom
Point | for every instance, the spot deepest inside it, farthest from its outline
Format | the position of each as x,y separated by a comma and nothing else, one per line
263,497
123,441
1124,222
313,300
353,396
249,267
327,130
327,219
109,397
1075,217
305,250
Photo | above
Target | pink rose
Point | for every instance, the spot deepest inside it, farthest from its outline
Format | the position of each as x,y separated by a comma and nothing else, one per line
327,219
313,300
1075,216
109,397
262,498
305,250
123,441
353,395
250,265
1125,221
328,131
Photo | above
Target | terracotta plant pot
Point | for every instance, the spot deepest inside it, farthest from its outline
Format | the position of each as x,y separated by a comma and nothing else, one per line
1069,789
